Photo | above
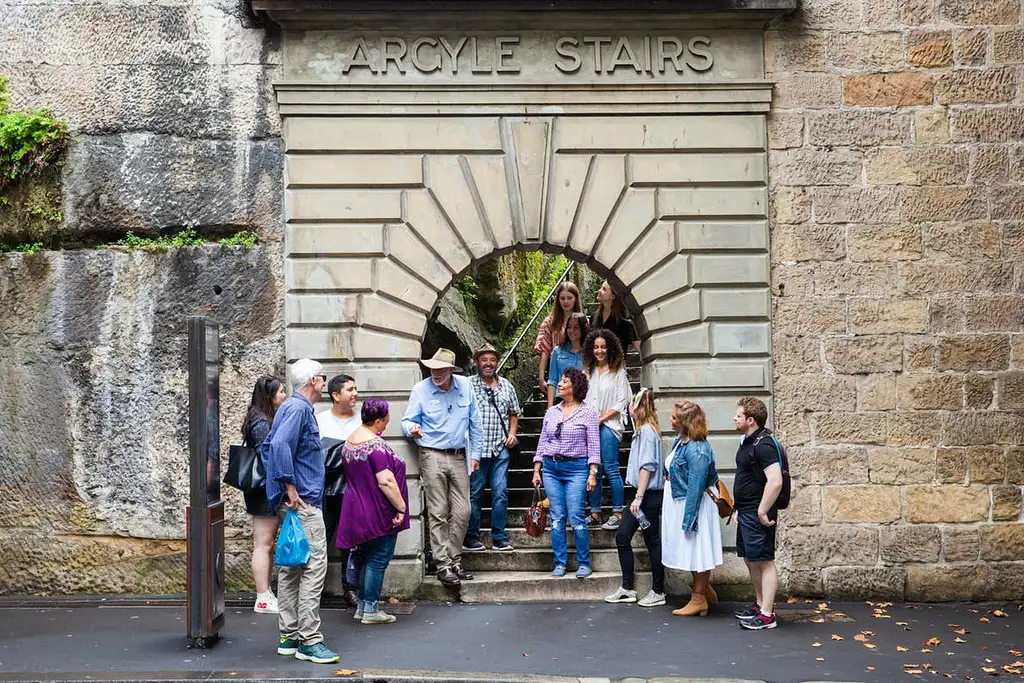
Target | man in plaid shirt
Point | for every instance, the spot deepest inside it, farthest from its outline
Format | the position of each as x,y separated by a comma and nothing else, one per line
499,411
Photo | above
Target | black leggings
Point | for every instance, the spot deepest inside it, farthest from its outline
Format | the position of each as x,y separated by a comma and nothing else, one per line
650,506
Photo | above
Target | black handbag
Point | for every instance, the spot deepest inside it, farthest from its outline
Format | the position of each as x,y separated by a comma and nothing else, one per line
334,466
245,469
513,451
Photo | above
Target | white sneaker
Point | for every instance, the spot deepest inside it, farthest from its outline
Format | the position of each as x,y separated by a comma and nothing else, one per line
621,595
652,599
612,524
266,603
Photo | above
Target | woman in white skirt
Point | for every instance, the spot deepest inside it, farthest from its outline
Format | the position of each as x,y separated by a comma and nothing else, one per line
691,537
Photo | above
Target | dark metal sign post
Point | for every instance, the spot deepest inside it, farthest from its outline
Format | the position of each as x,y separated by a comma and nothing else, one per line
205,525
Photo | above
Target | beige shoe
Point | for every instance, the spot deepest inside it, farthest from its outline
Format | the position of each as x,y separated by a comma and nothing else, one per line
380,617
712,595
698,605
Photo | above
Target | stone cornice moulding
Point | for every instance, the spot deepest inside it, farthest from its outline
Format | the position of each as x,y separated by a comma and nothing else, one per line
479,14
330,99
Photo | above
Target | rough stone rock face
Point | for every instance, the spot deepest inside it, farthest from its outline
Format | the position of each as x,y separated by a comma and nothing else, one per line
171,106
93,409
898,268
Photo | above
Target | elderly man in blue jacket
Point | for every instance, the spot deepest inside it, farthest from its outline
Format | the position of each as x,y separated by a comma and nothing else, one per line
294,464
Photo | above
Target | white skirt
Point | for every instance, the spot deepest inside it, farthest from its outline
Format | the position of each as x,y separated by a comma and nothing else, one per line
692,551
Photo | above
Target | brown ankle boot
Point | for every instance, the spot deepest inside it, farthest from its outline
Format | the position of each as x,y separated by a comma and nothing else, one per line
712,595
698,605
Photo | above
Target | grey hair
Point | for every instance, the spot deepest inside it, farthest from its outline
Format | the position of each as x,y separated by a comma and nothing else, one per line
303,370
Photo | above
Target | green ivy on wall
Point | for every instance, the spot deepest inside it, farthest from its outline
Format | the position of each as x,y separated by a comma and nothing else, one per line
29,141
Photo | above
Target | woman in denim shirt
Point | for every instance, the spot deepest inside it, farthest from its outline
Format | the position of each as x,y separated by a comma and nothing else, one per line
690,531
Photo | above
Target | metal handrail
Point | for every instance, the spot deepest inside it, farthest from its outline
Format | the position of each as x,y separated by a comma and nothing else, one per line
519,339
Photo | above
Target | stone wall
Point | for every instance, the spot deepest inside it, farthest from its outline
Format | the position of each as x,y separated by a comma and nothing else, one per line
898,281
93,408
171,106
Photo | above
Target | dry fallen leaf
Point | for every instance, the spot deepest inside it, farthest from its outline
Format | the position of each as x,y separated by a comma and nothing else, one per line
868,633
900,648
984,620
526,654
835,637
961,631
870,646
393,601
861,638
999,613
819,620
991,671
1011,670
959,640
1016,653
926,666
870,668
932,641
911,666
819,659
925,649
815,644
345,672
901,623
823,606
912,671
791,601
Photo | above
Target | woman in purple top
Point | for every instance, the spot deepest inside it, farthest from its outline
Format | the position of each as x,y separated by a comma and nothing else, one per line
375,506
569,448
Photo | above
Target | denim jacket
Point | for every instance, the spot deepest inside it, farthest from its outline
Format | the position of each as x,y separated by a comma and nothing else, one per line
692,470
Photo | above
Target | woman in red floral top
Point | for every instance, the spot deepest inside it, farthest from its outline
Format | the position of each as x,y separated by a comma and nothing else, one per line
552,329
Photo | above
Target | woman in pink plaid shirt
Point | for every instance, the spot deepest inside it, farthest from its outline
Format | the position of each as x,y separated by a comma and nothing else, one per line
552,329
568,455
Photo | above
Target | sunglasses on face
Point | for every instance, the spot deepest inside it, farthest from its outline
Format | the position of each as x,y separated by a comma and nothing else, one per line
322,378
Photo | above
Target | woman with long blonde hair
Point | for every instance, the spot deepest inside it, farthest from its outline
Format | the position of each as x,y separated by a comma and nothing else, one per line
691,537
552,329
646,473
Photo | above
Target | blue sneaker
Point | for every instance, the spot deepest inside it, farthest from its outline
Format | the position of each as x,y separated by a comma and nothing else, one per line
583,572
559,571
287,647
317,653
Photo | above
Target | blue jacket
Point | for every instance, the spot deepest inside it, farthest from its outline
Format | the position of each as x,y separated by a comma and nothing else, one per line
692,470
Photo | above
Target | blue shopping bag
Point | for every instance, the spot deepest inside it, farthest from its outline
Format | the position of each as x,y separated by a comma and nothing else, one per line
292,544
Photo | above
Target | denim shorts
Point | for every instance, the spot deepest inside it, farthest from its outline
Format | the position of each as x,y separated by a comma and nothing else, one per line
754,541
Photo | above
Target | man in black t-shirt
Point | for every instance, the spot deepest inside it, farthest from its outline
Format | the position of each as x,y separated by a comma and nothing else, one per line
755,490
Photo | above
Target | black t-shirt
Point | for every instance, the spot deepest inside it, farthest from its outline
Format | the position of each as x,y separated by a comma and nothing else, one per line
622,328
751,462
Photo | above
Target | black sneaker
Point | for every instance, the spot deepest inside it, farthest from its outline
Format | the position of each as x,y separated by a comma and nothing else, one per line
462,573
748,612
593,521
448,577
501,545
472,546
758,623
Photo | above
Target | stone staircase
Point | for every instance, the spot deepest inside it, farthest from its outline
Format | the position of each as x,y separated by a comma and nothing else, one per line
523,575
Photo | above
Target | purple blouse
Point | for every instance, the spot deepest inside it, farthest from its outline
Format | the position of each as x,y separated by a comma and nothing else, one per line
578,436
366,513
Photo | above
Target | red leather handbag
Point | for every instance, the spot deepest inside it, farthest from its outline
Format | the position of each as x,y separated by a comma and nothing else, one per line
537,516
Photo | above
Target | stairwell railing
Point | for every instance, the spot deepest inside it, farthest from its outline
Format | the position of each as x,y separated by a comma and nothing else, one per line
540,308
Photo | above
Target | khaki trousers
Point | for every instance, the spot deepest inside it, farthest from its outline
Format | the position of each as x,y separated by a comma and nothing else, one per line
446,483
299,588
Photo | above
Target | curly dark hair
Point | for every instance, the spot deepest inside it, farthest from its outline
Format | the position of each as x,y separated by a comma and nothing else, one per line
580,383
616,358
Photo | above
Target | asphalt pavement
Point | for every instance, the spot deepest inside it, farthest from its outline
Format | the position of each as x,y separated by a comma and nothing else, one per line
814,642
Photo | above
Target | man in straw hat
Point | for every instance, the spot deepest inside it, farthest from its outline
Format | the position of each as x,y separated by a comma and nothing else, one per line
444,419
499,410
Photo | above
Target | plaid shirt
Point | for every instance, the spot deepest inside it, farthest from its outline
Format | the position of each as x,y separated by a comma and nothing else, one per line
577,436
495,422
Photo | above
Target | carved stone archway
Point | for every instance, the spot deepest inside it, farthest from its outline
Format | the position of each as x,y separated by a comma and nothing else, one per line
394,189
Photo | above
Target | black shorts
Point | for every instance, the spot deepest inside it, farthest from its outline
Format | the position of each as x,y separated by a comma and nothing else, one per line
257,504
754,541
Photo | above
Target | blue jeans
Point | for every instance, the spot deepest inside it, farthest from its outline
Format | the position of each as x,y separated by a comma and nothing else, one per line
377,555
493,471
565,484
610,469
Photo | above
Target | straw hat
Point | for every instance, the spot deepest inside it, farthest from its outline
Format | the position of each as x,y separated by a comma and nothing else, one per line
443,358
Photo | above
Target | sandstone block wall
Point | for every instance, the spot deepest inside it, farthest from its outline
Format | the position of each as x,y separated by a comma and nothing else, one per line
898,287
170,104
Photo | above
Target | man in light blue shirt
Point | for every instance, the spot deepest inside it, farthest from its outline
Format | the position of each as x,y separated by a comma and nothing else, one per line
444,420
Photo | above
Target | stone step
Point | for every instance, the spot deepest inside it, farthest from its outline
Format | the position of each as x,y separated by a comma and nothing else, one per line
520,492
599,538
515,515
542,559
540,586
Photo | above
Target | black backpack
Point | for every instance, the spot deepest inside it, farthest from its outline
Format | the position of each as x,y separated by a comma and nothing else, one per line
782,502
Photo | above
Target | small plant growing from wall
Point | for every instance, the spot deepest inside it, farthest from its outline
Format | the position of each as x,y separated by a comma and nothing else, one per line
31,147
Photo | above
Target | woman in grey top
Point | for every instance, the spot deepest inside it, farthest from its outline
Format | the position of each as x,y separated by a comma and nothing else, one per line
646,473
